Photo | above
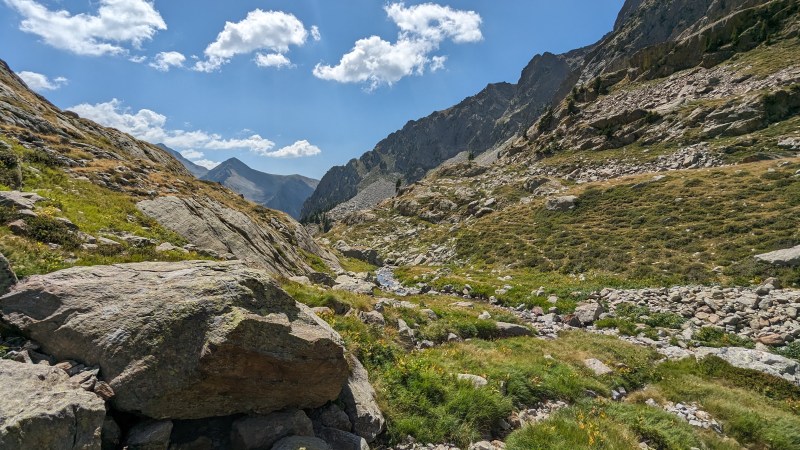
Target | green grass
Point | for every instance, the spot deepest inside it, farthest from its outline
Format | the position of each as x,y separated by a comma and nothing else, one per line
93,209
755,410
758,410
715,337
421,396
355,265
485,281
671,232
601,425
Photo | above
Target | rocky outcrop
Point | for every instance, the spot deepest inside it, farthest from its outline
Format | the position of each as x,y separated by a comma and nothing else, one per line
184,340
261,432
22,109
493,117
766,362
785,257
234,235
41,409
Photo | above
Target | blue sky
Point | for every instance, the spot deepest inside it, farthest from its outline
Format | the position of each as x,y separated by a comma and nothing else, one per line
288,86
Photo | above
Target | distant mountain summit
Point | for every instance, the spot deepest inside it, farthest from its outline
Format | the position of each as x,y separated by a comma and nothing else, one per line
195,169
286,193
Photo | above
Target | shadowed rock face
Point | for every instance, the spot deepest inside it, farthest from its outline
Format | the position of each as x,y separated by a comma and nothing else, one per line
40,408
184,340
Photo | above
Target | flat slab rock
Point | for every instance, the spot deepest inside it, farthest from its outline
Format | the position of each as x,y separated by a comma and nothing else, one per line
184,340
785,257
41,409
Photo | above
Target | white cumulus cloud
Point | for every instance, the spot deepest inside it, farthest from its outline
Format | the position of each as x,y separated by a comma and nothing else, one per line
199,158
423,28
167,60
116,23
40,83
149,125
272,60
271,31
297,150
207,163
192,154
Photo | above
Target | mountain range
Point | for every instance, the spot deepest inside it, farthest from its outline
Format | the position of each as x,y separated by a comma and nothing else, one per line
282,192
493,118
285,193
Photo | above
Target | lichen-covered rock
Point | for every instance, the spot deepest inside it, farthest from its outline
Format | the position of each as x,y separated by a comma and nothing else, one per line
41,409
233,234
184,340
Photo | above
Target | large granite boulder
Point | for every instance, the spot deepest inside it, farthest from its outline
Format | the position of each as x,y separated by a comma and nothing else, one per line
184,340
272,244
41,409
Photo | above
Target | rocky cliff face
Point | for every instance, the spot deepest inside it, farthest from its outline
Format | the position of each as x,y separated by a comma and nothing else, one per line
282,192
420,146
94,176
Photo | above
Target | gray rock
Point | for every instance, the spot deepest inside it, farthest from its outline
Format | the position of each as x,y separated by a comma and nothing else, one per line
509,330
354,285
41,409
184,340
405,333
587,313
273,245
261,432
333,417
359,401
342,440
786,257
761,361
301,443
367,255
20,200
7,276
477,381
564,203
149,435
372,318
597,366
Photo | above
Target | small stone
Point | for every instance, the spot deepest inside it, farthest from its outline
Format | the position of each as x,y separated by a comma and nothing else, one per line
597,366
477,382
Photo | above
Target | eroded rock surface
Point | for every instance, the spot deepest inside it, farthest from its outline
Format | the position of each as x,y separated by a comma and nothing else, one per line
41,409
184,340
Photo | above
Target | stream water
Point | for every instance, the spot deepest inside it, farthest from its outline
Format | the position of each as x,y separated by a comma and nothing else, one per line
387,281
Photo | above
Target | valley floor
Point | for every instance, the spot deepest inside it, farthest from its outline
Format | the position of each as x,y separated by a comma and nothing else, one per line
454,368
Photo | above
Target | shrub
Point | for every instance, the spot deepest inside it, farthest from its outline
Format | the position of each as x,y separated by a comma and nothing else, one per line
49,230
715,337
